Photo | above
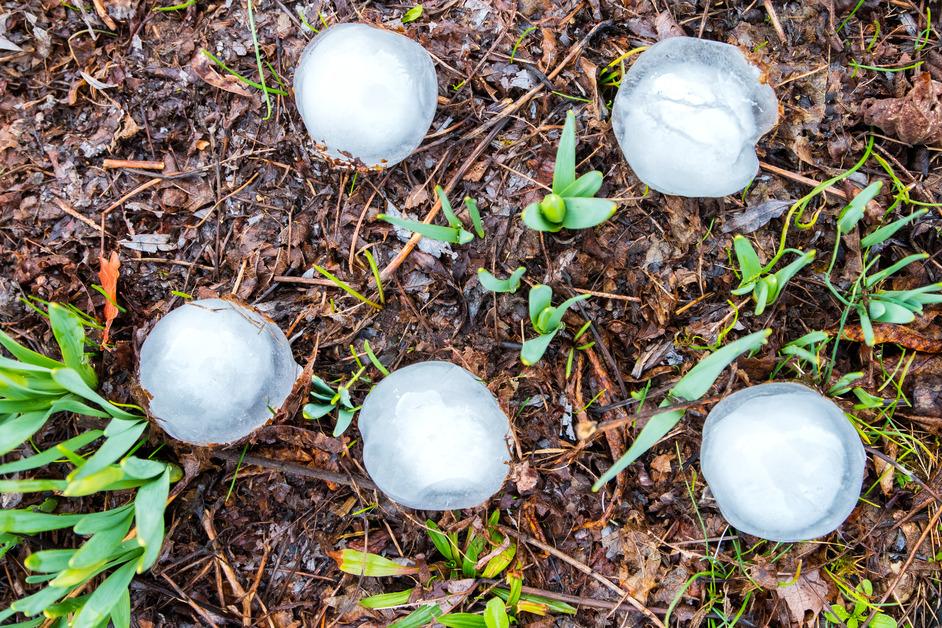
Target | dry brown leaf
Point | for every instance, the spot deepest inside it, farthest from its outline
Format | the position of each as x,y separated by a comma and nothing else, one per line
916,118
807,594
204,69
884,333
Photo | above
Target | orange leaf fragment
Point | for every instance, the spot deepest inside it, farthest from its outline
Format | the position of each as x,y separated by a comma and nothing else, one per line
108,276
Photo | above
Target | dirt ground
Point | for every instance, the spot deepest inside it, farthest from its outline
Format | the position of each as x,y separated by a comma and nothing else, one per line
243,205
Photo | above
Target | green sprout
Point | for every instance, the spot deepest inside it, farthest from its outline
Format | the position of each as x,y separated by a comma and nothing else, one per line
459,561
865,297
547,321
492,283
454,233
327,400
412,14
755,278
571,203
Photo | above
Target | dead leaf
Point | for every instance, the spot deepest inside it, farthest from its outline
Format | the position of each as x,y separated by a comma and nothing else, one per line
108,273
916,118
666,26
806,594
204,69
884,333
639,573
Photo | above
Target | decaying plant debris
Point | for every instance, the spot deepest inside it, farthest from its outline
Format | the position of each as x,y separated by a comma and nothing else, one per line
201,196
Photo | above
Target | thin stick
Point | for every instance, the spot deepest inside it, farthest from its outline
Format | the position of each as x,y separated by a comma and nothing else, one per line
305,281
85,219
773,17
147,184
794,176
133,163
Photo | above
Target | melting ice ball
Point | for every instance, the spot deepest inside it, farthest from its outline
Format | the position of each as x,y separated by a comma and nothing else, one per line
783,462
688,115
434,437
366,93
215,371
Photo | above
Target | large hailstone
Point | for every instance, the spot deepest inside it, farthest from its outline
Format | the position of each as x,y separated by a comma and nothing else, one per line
434,437
366,94
688,115
783,462
215,371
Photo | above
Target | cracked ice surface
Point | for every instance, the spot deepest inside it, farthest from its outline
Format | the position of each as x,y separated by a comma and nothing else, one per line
434,438
366,93
783,462
688,115
215,370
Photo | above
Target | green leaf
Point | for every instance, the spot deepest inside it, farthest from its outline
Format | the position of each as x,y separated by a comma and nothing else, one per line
29,522
33,485
28,356
564,172
110,451
108,594
439,540
360,563
387,600
784,275
692,386
19,428
462,620
97,550
315,411
98,521
761,294
422,616
412,14
321,389
475,215
556,318
885,232
70,336
495,614
876,278
533,218
473,548
52,454
811,338
492,283
99,481
450,216
35,603
584,213
71,380
149,505
121,613
497,564
882,621
749,265
49,561
886,312
533,349
585,186
430,231
142,469
540,298
865,325
854,211
344,418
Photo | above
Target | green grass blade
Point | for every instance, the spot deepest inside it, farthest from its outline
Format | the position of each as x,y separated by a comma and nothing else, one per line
876,278
346,287
886,232
475,215
449,212
98,607
387,600
420,617
451,235
149,505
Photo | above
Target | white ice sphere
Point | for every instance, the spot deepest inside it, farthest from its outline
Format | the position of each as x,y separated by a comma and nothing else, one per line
215,371
366,93
434,437
688,115
782,461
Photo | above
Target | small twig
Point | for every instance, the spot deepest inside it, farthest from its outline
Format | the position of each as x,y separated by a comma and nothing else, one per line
802,179
773,17
65,207
133,163
306,281
147,184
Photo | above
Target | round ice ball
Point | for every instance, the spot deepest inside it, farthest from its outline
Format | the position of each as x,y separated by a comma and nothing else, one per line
782,461
434,437
366,94
215,371
688,115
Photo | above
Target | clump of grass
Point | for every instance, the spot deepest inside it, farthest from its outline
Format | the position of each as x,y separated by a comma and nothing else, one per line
121,541
571,203
764,286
